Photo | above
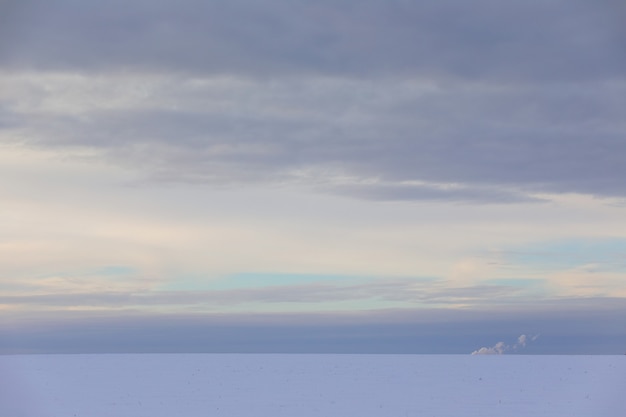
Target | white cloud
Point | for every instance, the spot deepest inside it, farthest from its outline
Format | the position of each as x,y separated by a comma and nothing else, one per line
501,348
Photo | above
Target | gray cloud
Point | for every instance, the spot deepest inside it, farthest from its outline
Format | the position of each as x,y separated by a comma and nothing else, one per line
376,100
404,192
584,326
557,40
457,142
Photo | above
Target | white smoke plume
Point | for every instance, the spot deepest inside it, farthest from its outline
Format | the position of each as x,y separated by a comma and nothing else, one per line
501,348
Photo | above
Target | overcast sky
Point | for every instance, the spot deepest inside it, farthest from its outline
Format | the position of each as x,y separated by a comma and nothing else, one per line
427,176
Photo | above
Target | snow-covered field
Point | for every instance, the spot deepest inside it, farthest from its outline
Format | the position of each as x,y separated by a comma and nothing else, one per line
311,385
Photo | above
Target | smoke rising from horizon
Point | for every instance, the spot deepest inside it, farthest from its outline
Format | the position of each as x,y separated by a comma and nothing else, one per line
501,348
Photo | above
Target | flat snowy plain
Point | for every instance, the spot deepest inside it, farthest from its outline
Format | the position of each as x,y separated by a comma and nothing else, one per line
242,385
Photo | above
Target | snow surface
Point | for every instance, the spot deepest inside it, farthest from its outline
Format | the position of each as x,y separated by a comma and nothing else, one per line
190,385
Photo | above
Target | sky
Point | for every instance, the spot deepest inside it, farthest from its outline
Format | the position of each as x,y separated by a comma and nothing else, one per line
373,176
